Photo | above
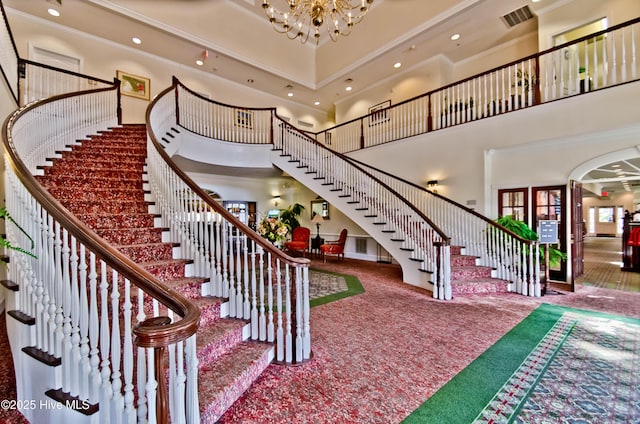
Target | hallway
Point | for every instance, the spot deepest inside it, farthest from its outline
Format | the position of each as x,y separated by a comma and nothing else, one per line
602,263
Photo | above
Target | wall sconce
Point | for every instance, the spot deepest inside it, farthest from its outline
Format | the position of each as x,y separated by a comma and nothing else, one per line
432,185
276,200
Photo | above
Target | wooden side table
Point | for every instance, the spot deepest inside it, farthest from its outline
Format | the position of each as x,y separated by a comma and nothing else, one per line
315,244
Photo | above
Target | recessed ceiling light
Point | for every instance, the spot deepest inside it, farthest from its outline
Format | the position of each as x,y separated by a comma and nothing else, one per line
397,65
53,12
316,103
348,88
455,37
290,94
199,62
136,40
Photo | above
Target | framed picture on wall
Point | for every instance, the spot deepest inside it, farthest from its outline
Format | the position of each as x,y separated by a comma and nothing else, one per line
379,113
134,85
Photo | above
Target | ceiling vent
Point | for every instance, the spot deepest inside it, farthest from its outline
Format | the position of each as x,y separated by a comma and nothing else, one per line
518,16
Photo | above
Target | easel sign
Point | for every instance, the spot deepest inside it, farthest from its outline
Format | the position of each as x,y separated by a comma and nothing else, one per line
547,234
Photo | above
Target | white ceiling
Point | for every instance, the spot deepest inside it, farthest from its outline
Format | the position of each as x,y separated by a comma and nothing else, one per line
242,46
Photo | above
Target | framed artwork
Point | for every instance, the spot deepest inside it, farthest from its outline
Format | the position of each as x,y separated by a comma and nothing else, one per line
379,113
320,207
244,118
134,85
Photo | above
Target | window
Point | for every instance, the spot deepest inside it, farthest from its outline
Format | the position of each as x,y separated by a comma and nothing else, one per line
513,202
605,215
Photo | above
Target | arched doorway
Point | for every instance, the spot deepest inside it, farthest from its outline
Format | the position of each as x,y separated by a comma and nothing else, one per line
611,188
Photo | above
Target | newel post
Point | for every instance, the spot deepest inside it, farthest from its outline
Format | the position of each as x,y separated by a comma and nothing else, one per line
162,396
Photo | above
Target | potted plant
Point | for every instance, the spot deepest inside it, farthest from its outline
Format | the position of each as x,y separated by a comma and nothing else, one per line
556,256
5,243
289,216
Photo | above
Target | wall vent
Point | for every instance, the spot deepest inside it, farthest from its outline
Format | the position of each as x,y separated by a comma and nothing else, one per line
518,16
361,245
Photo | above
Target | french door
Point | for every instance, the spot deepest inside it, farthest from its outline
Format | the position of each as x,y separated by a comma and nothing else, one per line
578,229
549,203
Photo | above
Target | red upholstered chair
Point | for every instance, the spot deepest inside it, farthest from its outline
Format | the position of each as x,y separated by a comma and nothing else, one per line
299,240
334,247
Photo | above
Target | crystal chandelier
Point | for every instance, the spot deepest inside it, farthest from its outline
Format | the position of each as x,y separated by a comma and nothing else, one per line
305,16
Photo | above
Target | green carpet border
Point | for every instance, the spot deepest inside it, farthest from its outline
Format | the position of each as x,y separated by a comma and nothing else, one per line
354,287
462,398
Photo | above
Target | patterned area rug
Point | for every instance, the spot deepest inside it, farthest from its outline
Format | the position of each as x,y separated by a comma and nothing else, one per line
583,368
325,287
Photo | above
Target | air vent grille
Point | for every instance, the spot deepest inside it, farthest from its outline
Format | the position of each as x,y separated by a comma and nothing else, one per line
517,16
361,245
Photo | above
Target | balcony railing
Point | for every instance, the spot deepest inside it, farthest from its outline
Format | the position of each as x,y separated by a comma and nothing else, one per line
600,60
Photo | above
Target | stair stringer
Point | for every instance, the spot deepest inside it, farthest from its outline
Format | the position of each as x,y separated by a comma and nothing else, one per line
411,272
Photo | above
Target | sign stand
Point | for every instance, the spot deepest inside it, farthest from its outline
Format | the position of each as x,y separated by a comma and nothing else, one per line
548,235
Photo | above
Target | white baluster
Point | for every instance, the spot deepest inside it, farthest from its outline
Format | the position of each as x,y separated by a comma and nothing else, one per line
116,376
151,385
128,356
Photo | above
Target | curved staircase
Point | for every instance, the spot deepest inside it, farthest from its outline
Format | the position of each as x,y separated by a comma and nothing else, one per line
100,181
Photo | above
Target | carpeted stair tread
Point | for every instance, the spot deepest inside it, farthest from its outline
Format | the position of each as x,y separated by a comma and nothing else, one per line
479,286
101,180
130,235
222,382
463,260
218,338
189,287
92,180
148,252
101,157
210,309
166,270
115,162
89,172
96,207
114,220
471,271
104,194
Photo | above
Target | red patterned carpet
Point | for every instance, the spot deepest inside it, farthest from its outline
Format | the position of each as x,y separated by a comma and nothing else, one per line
378,355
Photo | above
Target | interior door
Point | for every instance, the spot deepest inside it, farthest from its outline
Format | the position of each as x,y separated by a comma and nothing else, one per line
549,203
578,229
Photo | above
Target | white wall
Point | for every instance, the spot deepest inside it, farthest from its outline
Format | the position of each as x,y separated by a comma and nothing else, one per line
103,58
263,190
568,15
538,146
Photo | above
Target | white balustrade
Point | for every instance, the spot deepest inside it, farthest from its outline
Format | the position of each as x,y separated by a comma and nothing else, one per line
81,302
238,263
593,62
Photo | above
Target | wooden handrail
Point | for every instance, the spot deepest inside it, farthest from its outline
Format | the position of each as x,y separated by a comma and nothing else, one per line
62,71
145,336
450,201
176,82
14,90
204,196
429,94
445,239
